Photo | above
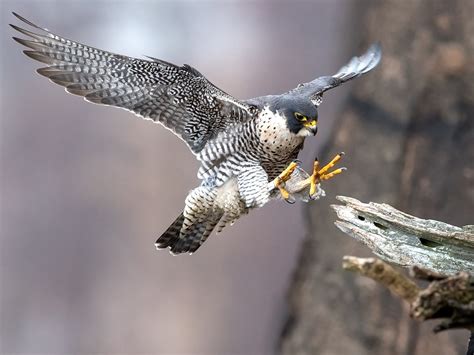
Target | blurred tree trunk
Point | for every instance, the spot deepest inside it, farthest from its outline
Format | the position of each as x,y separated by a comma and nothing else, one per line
408,131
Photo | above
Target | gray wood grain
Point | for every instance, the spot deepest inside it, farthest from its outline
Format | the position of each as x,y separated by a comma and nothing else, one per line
406,240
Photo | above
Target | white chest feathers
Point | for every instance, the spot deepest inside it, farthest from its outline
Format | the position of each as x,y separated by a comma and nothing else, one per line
274,135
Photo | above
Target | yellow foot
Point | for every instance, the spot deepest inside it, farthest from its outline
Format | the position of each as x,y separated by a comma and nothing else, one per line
279,181
324,173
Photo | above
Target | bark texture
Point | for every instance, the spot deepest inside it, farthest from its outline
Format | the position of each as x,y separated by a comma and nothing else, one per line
450,298
407,130
406,240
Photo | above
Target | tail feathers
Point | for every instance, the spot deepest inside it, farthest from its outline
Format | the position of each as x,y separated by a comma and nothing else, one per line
171,236
188,240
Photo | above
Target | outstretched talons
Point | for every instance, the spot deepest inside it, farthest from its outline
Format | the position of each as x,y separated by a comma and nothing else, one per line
323,173
317,194
291,200
332,174
281,179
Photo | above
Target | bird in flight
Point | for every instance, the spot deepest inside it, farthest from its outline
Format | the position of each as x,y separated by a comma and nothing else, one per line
247,148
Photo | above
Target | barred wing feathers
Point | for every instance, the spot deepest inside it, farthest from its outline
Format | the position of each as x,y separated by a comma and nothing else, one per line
179,97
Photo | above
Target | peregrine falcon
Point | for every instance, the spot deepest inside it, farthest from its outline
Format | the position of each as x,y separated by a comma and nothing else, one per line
247,148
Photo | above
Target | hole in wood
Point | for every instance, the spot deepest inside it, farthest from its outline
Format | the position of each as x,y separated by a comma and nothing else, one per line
361,218
381,226
429,243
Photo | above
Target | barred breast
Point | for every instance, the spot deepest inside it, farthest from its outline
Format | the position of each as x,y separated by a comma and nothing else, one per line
278,145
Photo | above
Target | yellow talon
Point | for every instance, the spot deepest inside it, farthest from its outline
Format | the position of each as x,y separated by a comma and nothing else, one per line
318,175
284,193
332,174
280,180
324,173
328,166
286,174
313,178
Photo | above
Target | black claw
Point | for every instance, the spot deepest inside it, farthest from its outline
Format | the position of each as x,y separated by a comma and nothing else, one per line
290,200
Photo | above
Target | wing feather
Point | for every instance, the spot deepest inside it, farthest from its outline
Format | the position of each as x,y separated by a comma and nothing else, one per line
356,67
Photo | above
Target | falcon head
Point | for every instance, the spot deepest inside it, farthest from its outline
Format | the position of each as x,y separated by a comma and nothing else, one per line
300,105
300,113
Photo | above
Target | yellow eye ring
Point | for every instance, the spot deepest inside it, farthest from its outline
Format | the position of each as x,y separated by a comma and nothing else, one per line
300,117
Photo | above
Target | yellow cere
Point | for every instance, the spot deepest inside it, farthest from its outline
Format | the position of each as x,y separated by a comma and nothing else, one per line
310,123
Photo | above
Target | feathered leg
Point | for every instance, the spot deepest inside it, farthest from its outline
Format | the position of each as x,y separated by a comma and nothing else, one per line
194,225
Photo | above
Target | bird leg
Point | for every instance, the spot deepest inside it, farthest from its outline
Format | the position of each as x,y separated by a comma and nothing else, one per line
279,181
323,173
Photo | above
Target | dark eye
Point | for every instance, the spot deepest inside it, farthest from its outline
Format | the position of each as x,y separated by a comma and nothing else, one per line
300,117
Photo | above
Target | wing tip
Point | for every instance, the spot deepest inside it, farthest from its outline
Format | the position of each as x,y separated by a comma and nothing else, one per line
36,56
361,64
15,27
28,22
375,52
17,15
25,42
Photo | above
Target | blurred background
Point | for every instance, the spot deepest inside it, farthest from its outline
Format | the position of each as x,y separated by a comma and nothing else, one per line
86,190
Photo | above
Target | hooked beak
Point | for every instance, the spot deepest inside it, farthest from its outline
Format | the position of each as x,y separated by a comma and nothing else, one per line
312,126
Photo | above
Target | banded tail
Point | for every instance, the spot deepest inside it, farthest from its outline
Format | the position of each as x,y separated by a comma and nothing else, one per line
189,239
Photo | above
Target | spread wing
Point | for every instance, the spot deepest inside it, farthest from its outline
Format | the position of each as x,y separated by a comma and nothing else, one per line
179,97
355,68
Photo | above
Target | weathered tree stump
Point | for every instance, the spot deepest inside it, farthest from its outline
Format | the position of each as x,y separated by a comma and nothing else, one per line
434,250
406,240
